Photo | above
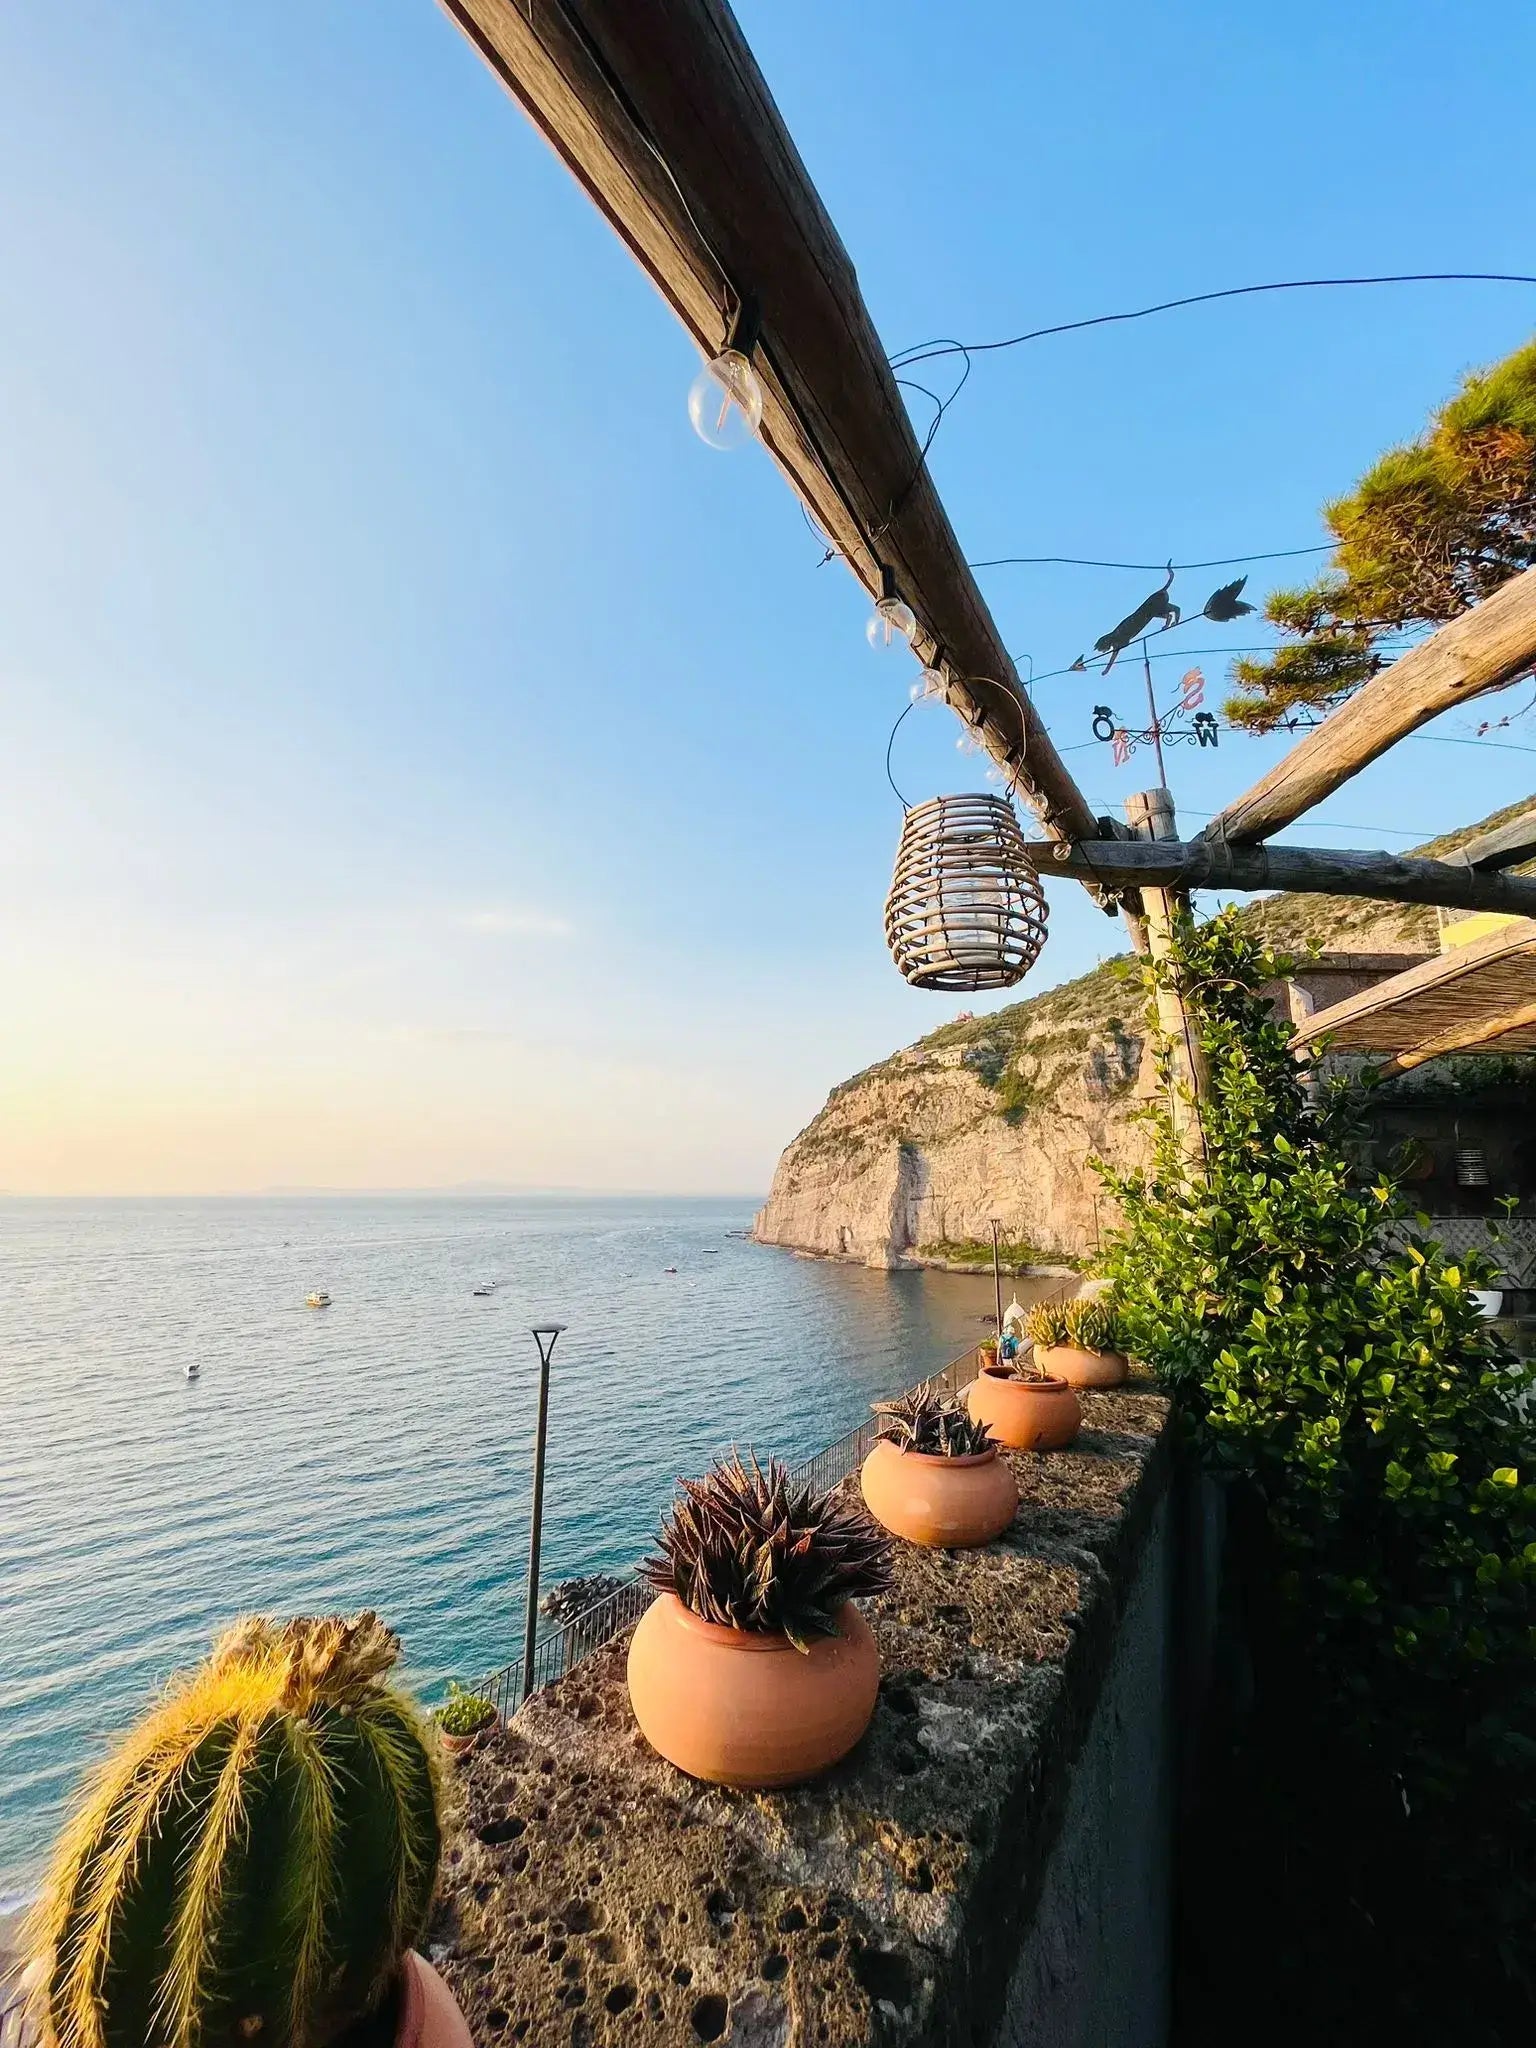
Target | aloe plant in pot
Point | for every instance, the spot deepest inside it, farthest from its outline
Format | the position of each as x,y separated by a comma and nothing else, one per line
256,1862
753,1667
1079,1341
935,1476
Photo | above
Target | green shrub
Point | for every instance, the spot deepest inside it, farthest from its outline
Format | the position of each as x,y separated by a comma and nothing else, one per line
1367,1417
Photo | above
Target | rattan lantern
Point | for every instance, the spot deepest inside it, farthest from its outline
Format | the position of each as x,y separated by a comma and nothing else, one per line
966,910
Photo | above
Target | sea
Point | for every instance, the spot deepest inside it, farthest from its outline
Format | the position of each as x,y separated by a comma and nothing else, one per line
376,1453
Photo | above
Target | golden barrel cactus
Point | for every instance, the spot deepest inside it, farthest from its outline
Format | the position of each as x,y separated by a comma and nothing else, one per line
255,1860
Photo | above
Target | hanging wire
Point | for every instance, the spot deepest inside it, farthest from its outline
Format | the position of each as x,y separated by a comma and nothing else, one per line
925,351
1222,562
929,351
890,778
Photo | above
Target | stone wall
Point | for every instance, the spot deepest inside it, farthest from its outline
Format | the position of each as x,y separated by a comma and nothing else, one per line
991,1864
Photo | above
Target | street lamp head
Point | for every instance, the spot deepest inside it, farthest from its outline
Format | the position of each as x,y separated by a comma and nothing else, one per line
549,1329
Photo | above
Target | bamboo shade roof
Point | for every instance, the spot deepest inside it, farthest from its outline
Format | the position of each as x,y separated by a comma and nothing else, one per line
1479,994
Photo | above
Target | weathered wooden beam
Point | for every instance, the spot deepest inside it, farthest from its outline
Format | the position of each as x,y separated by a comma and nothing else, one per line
1114,864
1506,848
1489,646
1464,1037
658,109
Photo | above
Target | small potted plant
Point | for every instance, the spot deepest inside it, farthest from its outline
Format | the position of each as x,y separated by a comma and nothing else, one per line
986,1353
461,1717
1078,1341
935,1476
256,1862
1025,1408
753,1667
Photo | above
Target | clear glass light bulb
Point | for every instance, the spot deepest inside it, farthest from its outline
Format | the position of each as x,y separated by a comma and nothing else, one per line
890,624
725,401
967,744
929,687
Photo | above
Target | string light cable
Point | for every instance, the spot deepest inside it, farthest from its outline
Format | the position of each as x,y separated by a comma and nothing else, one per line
947,345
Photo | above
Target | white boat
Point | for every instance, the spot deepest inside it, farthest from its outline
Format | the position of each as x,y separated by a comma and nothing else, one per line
193,1370
319,1299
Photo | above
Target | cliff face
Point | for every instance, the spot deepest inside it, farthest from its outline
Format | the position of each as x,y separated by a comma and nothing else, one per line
999,1115
995,1116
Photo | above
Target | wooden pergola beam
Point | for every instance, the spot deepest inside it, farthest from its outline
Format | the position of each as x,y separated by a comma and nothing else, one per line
1464,1037
1488,647
1506,848
659,111
1116,864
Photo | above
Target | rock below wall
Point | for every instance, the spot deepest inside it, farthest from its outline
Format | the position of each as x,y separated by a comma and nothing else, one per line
993,1116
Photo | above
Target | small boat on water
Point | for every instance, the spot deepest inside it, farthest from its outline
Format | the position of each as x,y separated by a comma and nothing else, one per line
319,1299
481,1293
193,1370
669,1269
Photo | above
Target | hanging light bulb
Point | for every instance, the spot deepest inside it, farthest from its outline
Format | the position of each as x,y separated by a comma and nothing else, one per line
725,400
929,687
968,744
891,623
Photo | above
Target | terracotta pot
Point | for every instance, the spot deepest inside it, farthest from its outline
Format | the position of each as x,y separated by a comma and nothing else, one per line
429,2013
460,1745
1026,1415
943,1503
1081,1368
749,1710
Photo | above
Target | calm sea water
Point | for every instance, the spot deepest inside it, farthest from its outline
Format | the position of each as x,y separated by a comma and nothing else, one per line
376,1453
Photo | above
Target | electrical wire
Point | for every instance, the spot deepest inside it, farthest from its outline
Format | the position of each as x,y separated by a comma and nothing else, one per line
925,351
1083,562
890,778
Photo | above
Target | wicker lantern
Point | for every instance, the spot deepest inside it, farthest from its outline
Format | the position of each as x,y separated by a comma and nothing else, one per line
966,910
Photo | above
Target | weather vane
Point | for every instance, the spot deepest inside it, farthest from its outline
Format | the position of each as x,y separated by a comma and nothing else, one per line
1221,607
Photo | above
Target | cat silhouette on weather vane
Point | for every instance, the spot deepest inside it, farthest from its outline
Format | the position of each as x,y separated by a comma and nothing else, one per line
1114,643
1221,606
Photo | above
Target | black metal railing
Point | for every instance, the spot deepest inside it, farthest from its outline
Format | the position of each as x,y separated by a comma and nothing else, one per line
564,1648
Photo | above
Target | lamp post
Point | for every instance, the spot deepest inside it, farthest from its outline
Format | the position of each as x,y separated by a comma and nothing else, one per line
997,1276
544,1335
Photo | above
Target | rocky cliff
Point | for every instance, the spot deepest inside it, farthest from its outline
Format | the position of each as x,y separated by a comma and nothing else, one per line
999,1115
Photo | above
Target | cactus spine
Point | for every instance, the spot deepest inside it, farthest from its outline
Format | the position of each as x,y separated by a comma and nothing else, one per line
254,1862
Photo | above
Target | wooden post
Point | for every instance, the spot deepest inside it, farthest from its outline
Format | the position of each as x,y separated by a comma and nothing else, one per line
1150,815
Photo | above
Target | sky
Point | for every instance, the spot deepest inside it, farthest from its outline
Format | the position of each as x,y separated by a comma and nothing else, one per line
424,761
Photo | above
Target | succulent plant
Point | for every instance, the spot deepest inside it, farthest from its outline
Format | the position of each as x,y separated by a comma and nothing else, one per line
1093,1326
463,1711
932,1425
745,1548
255,1860
1046,1324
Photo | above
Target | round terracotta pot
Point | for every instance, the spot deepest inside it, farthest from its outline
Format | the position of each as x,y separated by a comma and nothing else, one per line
749,1710
942,1503
1026,1415
1081,1368
429,2013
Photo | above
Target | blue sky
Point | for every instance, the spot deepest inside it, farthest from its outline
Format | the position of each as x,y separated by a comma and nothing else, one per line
424,760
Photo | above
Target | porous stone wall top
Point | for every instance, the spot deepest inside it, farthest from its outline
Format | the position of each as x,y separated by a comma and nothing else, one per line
597,1896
